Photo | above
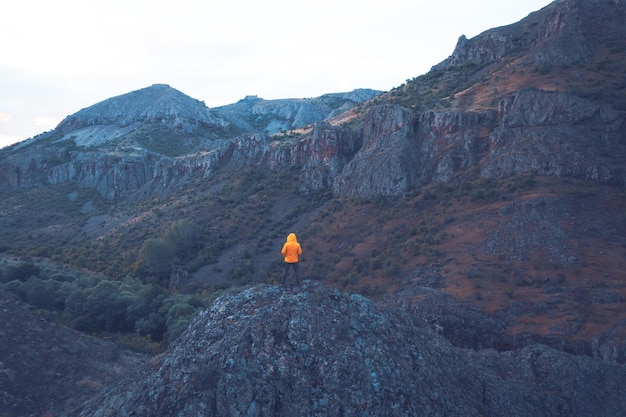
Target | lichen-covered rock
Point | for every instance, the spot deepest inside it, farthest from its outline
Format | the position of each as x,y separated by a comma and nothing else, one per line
313,351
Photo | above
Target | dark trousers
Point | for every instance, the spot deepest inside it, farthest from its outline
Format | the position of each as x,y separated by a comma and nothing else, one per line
286,272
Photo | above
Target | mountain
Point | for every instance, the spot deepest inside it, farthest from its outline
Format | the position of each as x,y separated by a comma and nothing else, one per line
147,141
274,116
121,121
480,207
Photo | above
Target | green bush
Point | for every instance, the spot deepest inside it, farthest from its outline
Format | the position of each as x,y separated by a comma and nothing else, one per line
20,272
183,238
42,294
158,255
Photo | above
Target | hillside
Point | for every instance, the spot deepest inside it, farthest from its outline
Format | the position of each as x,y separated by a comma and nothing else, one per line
485,200
48,369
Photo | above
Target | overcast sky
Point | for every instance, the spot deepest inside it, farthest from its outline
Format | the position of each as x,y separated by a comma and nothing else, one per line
57,57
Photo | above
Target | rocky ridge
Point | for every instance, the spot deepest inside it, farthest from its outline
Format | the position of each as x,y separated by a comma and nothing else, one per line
105,124
274,116
274,351
393,152
564,32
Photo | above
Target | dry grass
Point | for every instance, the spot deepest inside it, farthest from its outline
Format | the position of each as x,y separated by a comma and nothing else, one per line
374,245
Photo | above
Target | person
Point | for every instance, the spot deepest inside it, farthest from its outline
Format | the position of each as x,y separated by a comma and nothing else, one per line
291,250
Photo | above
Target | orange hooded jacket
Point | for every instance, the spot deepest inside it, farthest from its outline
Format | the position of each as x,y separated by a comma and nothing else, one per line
291,249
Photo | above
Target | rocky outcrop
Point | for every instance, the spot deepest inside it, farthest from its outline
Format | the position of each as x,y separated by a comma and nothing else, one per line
386,163
562,33
483,50
272,351
273,116
557,134
324,153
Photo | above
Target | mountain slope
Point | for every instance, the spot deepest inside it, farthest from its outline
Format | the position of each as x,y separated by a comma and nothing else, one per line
50,369
485,198
510,155
573,47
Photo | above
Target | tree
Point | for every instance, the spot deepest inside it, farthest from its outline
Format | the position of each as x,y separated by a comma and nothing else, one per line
107,304
158,256
42,294
21,272
183,237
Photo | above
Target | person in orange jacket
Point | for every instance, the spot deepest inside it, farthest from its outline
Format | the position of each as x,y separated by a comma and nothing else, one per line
291,250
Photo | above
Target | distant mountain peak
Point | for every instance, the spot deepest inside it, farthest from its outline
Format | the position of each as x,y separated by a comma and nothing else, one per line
273,116
162,104
157,103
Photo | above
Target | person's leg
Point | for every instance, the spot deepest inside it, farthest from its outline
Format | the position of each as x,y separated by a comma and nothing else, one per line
283,280
296,269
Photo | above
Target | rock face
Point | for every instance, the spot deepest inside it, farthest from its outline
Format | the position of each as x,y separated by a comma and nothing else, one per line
273,116
271,351
557,134
533,131
387,161
403,151
562,33
324,154
393,151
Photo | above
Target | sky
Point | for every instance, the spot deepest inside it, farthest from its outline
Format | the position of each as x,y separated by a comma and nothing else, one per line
58,57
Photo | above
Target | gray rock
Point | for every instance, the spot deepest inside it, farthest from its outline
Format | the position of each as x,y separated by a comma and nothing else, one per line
312,351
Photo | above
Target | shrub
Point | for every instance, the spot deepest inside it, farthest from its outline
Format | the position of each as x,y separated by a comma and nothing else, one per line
42,294
182,236
157,256
21,272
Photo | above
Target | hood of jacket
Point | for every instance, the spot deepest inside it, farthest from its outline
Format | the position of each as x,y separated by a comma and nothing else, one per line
292,237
